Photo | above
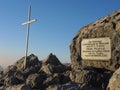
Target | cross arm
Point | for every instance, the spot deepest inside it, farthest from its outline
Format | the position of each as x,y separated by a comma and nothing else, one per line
28,22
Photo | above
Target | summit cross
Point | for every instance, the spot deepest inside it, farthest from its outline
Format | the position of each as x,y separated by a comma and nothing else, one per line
27,34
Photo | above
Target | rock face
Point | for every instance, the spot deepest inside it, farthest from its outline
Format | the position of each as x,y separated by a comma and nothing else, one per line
38,75
51,74
52,65
32,60
109,27
114,82
94,77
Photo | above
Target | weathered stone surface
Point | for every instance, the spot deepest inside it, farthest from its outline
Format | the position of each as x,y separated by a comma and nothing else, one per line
52,65
68,86
109,27
114,82
51,74
38,75
52,59
50,69
32,60
20,76
95,77
35,80
18,87
9,70
55,79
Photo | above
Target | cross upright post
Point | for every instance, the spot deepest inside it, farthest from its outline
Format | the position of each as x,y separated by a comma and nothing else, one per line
27,34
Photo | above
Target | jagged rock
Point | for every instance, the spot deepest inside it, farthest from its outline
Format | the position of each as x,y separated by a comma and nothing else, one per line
88,87
108,26
95,77
55,79
1,82
52,65
50,69
52,59
32,60
9,70
51,74
47,69
35,80
20,76
11,81
68,86
32,70
37,75
15,74
18,87
114,82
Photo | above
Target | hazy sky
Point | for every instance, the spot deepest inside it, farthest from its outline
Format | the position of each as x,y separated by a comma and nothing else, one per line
58,21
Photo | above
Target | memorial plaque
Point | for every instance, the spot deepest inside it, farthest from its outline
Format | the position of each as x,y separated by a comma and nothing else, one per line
96,49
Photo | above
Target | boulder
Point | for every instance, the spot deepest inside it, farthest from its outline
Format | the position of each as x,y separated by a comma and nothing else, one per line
107,27
114,82
94,77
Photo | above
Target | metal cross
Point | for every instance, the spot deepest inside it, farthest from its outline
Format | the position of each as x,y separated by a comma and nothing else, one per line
27,33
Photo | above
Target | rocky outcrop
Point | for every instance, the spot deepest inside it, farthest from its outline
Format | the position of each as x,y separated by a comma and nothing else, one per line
52,65
114,82
51,74
37,75
32,61
52,59
68,86
108,26
89,76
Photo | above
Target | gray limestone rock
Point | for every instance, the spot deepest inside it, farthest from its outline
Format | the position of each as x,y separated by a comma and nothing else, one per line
32,61
94,77
35,81
52,59
108,26
114,82
18,87
55,79
52,65
68,86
